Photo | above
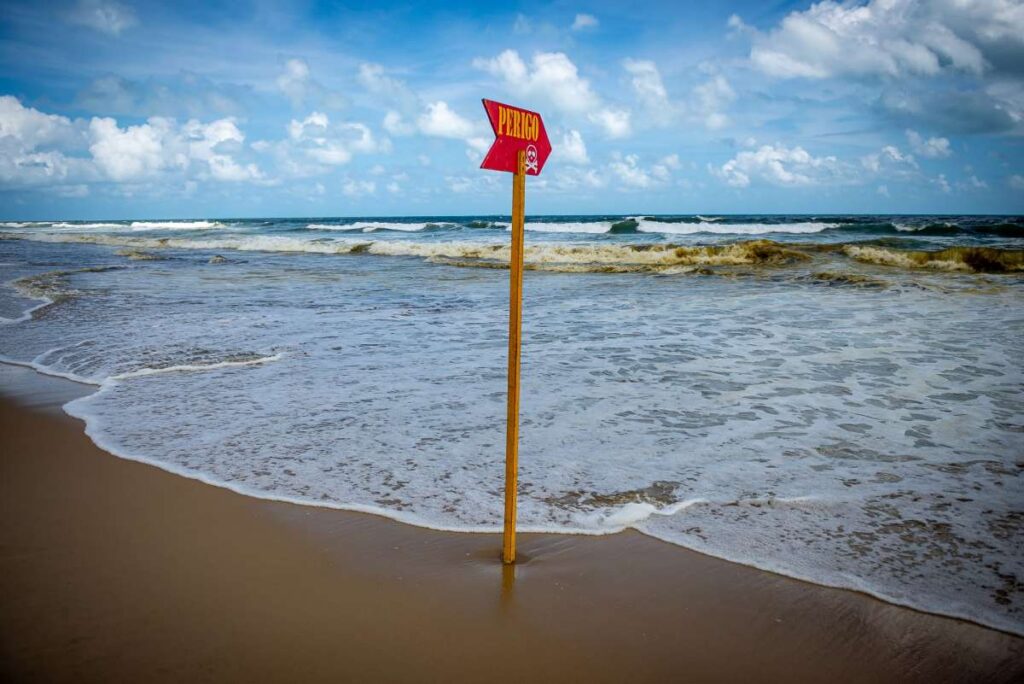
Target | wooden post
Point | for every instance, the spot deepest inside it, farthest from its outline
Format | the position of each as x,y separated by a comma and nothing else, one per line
515,328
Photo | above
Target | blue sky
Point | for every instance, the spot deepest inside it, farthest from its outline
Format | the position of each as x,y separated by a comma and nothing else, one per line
132,109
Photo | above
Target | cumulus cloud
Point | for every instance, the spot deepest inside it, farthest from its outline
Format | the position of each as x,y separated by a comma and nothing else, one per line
584,21
665,166
294,81
554,77
441,121
395,124
358,188
710,98
33,145
931,148
632,174
134,152
572,150
615,122
392,91
972,183
884,37
778,165
706,104
315,142
572,178
888,156
438,119
913,42
1016,181
141,152
299,86
648,86
30,127
103,15
38,148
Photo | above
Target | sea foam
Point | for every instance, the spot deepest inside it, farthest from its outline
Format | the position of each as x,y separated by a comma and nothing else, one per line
863,438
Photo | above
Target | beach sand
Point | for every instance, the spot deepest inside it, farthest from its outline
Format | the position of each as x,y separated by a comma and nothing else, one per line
113,570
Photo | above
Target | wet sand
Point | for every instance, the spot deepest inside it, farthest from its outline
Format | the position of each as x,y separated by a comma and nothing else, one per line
112,570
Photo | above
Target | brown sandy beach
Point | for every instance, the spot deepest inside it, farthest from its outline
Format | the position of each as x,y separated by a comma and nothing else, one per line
112,570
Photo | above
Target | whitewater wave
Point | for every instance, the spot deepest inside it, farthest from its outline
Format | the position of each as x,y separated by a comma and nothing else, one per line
372,226
583,257
249,360
645,226
967,259
174,225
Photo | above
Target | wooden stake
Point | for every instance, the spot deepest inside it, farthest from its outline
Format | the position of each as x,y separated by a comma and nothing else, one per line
515,328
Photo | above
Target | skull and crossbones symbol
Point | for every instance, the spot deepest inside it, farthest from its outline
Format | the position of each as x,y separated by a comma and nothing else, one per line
532,160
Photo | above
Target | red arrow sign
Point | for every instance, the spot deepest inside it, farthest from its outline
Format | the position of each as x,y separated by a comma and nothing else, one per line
516,129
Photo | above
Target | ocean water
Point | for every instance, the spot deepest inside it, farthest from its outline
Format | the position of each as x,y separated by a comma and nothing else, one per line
834,398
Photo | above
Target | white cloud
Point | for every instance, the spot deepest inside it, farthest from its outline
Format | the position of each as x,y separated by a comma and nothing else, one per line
297,83
648,86
705,106
358,188
584,21
889,38
778,165
103,15
30,127
887,156
459,183
212,142
295,80
710,98
664,168
440,120
38,148
1016,182
574,177
395,125
141,152
632,175
479,145
324,143
942,183
615,122
883,190
973,183
373,78
135,152
573,150
629,172
553,77
931,148
392,91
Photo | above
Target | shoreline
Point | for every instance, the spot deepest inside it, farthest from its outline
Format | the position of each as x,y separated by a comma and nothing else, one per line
80,388
116,569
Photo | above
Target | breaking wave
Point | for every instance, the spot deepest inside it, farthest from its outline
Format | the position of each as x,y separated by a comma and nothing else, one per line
598,256
969,259
372,226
